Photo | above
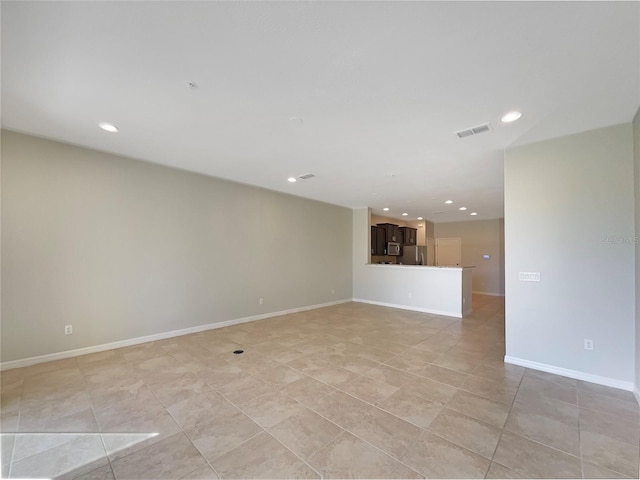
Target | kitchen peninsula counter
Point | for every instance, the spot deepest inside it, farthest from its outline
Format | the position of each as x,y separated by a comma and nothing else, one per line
424,288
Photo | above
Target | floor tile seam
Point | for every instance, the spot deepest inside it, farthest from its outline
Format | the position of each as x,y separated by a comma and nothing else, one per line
372,405
586,390
580,440
545,445
554,400
485,397
106,453
79,434
419,377
528,437
631,444
446,406
295,454
622,475
474,418
345,368
13,449
608,413
104,445
507,419
533,374
532,410
448,368
384,452
582,411
340,432
440,436
181,431
217,456
344,429
492,380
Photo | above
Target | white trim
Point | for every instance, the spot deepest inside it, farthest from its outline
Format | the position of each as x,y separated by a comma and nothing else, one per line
491,294
565,372
409,307
25,362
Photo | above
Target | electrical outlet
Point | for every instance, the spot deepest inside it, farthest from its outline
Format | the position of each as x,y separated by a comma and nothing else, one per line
261,301
588,344
333,292
410,295
68,329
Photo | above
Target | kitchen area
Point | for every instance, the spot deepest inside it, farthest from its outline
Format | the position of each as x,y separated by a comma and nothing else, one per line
392,243
394,263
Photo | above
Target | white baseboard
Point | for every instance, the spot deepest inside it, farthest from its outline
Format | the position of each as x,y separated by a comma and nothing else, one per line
565,372
25,362
409,307
491,294
636,393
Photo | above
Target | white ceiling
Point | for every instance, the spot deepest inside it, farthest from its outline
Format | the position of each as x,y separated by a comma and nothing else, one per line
380,88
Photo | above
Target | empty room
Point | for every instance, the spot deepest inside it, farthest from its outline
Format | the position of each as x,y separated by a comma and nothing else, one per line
320,240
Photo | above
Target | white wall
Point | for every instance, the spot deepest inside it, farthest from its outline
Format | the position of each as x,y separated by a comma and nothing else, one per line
636,170
480,237
569,214
121,249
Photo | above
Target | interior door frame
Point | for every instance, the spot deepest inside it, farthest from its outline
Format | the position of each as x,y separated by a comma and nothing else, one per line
459,242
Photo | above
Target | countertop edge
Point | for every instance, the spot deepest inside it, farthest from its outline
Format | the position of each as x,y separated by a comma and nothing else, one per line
423,267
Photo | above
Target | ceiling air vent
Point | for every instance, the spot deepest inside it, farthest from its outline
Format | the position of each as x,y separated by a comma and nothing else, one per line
306,176
473,131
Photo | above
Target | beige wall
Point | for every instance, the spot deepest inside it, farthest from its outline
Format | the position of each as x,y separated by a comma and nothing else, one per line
480,237
636,157
569,214
121,249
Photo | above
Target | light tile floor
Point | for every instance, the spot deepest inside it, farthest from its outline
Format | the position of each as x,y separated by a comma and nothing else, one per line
352,391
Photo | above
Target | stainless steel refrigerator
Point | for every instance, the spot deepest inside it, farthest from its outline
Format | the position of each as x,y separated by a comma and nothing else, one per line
413,255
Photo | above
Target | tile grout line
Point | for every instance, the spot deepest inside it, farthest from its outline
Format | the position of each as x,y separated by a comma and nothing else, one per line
538,442
339,426
178,424
13,448
505,422
95,417
580,433
267,432
343,429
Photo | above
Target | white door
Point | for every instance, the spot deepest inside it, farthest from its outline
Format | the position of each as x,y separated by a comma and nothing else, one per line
448,252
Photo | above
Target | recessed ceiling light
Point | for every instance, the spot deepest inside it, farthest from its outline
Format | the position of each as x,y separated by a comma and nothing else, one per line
511,117
109,127
405,214
292,179
386,209
420,218
473,213
448,202
462,208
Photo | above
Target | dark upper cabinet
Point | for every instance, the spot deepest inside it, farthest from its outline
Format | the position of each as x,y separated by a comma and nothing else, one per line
392,232
378,241
409,235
